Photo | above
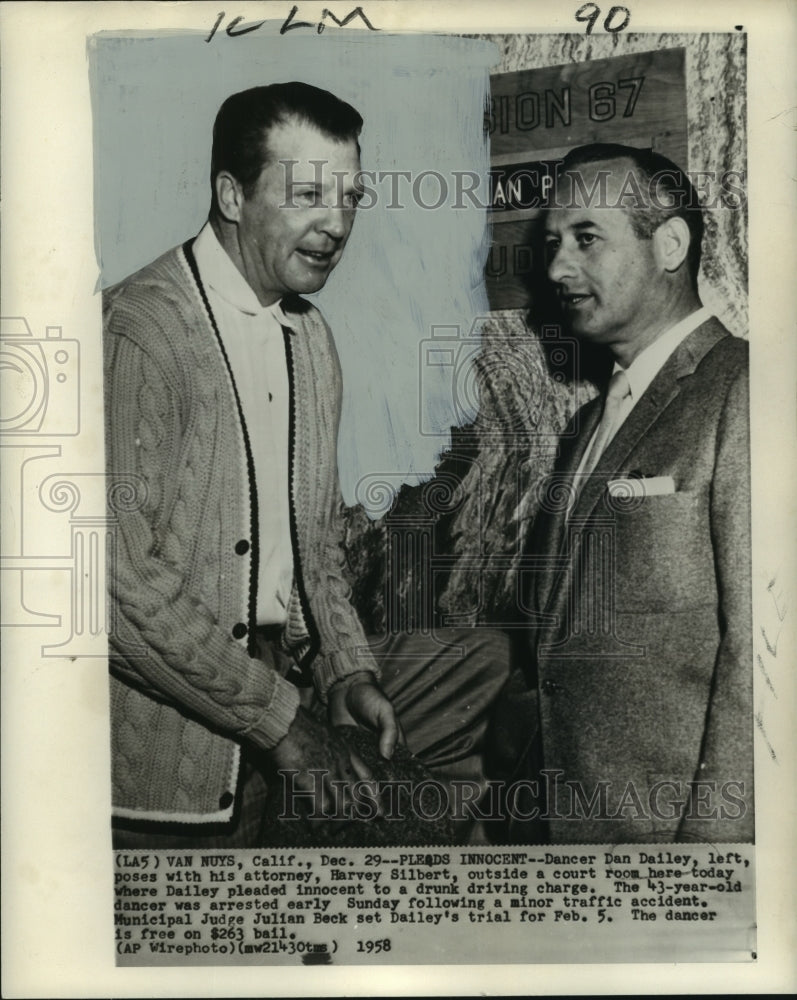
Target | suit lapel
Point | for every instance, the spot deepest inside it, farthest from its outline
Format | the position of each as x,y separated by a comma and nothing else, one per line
658,396
611,464
550,523
617,458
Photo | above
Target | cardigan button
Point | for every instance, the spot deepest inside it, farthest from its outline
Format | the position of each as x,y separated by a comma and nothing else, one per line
550,687
241,547
239,630
226,800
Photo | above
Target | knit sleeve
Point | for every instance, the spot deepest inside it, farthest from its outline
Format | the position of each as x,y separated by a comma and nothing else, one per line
344,650
166,639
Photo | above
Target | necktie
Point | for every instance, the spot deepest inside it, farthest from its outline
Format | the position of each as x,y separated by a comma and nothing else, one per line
611,418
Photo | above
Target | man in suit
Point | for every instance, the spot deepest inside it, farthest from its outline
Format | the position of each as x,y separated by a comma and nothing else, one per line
641,630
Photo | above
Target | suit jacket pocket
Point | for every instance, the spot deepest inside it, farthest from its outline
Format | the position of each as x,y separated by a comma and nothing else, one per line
664,559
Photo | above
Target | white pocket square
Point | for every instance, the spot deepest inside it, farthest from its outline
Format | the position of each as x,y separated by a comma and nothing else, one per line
653,486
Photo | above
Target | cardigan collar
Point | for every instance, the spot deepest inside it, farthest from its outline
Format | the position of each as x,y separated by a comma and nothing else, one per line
220,273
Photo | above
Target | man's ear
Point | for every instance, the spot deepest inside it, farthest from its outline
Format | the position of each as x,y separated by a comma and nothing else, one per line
671,243
229,196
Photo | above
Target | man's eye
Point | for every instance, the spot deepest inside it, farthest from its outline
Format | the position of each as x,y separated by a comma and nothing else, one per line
306,197
351,200
586,239
551,246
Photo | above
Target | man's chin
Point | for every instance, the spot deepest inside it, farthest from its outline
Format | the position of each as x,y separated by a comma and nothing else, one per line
582,327
314,281
573,326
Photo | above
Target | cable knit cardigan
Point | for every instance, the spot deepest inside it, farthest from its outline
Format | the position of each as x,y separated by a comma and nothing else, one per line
187,687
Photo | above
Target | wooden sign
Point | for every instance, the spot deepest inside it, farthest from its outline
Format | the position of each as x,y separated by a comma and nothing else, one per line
536,116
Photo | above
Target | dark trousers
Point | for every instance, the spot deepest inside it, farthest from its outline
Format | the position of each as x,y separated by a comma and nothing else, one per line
442,686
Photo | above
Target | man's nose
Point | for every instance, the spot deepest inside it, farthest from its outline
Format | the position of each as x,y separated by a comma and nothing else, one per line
561,265
336,221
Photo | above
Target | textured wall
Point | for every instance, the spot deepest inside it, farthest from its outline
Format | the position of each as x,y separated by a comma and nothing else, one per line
472,518
717,110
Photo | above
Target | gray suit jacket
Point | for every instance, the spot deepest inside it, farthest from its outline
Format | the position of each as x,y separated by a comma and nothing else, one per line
641,616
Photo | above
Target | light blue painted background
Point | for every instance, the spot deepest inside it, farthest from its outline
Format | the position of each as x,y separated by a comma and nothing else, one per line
404,271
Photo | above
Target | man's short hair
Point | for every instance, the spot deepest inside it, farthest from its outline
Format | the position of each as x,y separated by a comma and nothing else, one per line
240,132
667,192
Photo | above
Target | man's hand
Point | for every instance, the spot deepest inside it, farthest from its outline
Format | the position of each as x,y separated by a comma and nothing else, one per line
311,745
356,700
321,756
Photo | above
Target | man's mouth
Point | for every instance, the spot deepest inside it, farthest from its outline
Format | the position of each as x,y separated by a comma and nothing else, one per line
573,301
316,257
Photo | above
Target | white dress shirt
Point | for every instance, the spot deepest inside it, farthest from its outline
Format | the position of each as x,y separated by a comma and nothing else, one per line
648,363
253,339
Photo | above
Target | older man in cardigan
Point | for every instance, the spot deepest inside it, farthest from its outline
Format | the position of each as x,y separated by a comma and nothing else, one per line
233,622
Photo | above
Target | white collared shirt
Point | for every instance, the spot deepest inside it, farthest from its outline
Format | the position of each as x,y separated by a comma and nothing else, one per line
648,363
253,339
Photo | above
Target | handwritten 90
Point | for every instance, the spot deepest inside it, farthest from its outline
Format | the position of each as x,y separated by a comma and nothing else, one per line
616,20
